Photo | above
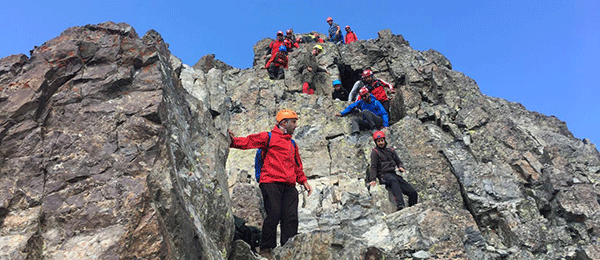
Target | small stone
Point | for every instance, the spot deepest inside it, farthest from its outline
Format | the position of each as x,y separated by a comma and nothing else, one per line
502,252
490,248
421,255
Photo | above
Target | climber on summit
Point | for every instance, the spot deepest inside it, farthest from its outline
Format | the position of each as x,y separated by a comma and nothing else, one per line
350,35
371,116
277,63
335,34
290,40
339,92
274,46
375,86
281,170
384,164
309,68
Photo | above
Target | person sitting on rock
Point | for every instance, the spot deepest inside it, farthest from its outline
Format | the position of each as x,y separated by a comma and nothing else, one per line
372,115
384,164
277,63
274,46
335,34
350,35
375,86
339,92
281,170
290,40
309,68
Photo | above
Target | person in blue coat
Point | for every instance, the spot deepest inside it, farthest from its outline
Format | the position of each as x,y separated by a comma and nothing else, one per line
372,115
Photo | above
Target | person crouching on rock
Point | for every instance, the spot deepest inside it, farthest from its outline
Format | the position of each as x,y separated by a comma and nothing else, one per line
281,170
371,116
309,68
384,164
277,63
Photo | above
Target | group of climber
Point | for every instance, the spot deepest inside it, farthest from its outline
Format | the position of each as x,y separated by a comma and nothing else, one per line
278,49
335,33
280,167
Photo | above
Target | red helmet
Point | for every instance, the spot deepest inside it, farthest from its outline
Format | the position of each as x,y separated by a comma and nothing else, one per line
280,33
347,26
288,32
367,73
378,134
363,91
329,19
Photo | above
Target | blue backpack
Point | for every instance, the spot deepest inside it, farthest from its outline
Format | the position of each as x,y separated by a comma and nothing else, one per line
259,159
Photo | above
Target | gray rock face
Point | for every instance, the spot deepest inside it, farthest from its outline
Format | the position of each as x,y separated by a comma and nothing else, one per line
112,148
102,157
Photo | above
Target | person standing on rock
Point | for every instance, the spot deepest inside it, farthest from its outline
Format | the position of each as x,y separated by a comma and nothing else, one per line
277,63
350,35
335,34
384,164
274,46
371,116
281,170
309,68
375,86
290,40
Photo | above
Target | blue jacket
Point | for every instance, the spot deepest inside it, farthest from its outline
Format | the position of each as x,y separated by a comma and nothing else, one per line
375,107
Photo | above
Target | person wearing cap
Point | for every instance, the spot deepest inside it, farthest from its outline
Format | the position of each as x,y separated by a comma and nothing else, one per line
281,170
375,86
277,63
309,67
350,35
335,34
384,164
372,115
339,92
274,46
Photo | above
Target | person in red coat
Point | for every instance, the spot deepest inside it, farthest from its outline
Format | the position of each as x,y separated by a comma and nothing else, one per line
274,46
277,63
350,35
281,170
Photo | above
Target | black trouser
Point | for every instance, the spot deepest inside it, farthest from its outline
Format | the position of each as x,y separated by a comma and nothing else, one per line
386,106
365,120
281,205
275,72
399,186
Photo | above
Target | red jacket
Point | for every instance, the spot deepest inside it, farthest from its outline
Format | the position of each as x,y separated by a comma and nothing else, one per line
351,37
377,90
280,59
274,46
280,162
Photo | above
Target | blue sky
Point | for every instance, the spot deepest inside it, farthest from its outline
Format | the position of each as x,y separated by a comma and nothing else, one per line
542,54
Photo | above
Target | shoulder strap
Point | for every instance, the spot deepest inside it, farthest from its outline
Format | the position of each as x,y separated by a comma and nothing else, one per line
267,148
296,159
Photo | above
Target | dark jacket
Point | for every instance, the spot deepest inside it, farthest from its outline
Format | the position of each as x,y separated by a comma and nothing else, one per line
280,162
341,94
309,60
383,160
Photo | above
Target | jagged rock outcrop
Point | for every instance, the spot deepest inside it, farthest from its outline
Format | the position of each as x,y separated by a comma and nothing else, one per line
495,180
113,148
102,157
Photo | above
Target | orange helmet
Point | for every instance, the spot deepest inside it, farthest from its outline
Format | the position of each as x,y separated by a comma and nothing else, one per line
286,114
329,19
378,134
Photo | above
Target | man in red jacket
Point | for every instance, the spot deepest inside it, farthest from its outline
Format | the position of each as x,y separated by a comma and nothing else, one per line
375,86
350,35
281,170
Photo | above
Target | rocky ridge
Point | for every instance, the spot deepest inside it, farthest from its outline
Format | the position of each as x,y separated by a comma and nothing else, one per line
112,148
